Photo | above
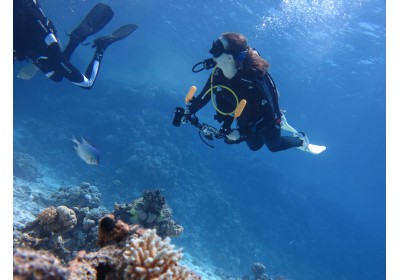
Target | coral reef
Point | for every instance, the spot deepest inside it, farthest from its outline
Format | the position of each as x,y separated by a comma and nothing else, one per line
153,201
24,166
60,230
84,195
106,263
60,219
110,230
129,253
30,264
169,228
258,270
47,216
66,229
150,211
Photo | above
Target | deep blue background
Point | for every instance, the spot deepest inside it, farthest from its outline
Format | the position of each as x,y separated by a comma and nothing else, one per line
304,216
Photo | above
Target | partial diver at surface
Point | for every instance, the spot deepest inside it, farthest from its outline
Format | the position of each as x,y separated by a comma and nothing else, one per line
241,89
35,39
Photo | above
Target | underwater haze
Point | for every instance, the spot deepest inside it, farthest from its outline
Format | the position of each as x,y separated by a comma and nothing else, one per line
304,216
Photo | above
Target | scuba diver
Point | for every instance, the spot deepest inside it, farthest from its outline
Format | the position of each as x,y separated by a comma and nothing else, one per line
35,39
241,89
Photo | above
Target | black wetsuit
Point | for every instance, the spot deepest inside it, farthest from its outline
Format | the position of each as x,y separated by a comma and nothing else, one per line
259,122
35,39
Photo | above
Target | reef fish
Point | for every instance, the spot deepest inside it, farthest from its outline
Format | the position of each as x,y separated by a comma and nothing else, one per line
86,151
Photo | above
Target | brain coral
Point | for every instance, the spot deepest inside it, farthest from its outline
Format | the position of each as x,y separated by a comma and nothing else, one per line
47,216
60,219
150,257
67,218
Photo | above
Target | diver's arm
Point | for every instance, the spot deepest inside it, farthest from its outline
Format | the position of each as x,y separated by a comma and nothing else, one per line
226,120
202,99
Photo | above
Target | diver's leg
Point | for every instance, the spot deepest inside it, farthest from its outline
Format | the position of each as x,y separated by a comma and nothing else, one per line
254,142
102,43
93,68
275,142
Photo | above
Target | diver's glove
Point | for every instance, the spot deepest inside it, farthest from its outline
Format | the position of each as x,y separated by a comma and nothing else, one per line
233,137
189,117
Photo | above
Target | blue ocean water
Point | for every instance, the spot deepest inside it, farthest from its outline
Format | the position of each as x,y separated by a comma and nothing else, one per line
304,216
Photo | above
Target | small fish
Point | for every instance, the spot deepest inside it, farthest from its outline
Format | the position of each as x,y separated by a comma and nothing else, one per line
86,151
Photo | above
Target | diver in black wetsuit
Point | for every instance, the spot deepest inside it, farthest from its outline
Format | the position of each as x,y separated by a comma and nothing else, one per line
241,73
35,38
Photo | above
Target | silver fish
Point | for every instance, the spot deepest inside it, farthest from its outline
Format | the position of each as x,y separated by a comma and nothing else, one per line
86,151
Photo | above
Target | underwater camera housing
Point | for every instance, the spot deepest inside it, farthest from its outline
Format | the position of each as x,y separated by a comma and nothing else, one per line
179,112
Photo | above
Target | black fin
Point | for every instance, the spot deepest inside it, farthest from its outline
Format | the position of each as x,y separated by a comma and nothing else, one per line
124,31
95,20
119,34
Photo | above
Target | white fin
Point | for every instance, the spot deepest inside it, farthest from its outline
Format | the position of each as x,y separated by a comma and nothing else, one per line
28,71
316,149
286,126
76,141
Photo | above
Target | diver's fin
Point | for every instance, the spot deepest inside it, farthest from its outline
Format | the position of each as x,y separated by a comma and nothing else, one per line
28,71
119,34
286,126
95,20
307,147
76,141
316,149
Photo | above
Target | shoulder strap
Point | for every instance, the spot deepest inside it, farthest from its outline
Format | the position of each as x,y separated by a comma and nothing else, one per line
268,84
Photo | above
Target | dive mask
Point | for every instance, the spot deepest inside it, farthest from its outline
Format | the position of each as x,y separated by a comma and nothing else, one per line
217,49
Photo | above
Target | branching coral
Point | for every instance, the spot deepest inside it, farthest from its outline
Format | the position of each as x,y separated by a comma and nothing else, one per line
150,257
